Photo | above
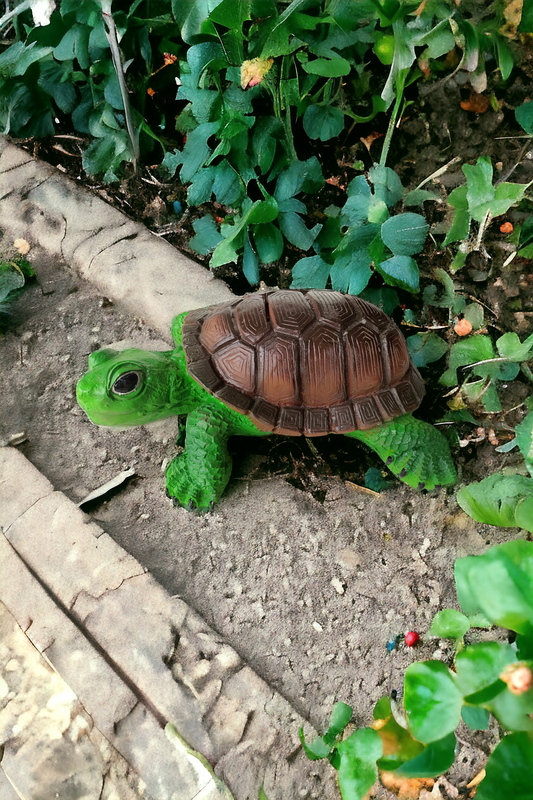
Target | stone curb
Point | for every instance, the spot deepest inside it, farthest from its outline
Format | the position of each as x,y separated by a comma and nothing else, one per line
123,259
161,664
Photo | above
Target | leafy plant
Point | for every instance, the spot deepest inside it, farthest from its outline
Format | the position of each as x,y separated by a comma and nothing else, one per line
481,201
487,678
363,236
505,500
476,353
64,69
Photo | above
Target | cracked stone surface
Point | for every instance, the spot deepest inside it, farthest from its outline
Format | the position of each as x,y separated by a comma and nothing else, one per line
51,746
161,649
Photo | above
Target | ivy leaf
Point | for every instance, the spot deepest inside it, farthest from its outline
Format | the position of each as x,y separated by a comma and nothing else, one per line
296,232
387,185
351,271
191,16
509,346
436,758
461,219
268,242
467,351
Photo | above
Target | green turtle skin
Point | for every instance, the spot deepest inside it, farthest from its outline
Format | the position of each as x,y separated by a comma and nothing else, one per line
133,387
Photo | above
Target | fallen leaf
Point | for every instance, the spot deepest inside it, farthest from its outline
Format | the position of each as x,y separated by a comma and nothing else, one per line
513,14
463,327
477,780
109,486
368,140
253,71
22,246
405,788
478,103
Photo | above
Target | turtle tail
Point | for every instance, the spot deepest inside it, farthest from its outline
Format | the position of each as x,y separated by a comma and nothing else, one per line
414,451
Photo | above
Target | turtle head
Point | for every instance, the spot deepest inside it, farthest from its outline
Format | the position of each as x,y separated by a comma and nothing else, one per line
130,387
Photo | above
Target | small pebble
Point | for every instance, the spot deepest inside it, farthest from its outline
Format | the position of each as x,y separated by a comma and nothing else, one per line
318,627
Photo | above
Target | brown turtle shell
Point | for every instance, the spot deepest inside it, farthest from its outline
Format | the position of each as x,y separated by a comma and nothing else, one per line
303,362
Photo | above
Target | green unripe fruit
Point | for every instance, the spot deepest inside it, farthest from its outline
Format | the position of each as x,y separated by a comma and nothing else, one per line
384,49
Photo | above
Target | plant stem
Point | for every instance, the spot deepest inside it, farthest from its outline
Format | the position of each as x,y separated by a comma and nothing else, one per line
527,372
392,123
112,38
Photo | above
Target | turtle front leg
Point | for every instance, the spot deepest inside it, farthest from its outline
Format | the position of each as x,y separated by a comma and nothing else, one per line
413,450
197,477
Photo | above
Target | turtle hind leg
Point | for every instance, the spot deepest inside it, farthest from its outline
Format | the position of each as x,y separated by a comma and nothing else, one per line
414,451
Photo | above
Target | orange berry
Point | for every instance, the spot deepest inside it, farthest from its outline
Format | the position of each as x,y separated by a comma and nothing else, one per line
463,327
507,227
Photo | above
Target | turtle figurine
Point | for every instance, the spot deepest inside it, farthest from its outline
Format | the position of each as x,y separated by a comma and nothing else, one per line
291,362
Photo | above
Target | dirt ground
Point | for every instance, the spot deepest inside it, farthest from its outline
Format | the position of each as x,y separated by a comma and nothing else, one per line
308,592
306,577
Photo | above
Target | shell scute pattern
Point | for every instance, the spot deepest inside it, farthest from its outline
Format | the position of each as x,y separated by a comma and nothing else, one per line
303,362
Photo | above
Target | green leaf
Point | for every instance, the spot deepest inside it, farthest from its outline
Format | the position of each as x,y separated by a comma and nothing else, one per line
461,219
508,770
495,500
466,351
524,116
400,271
480,665
207,235
268,242
405,234
196,150
400,745
505,195
432,701
474,314
526,22
323,122
357,768
266,133
250,264
449,624
295,231
424,348
191,16
499,584
524,439
299,176
384,298
317,749
509,346
476,717
328,67
53,78
11,281
480,191
505,57
310,273
341,714
514,712
387,185
351,271
436,758
418,197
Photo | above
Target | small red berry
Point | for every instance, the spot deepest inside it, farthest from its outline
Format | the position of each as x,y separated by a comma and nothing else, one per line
411,638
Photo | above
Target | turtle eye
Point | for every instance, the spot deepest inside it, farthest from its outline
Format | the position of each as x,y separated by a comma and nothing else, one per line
127,383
